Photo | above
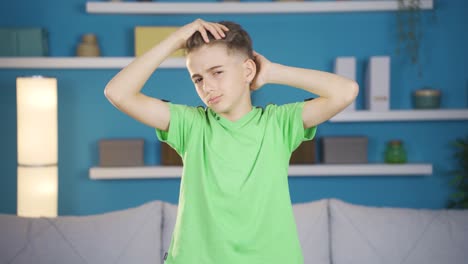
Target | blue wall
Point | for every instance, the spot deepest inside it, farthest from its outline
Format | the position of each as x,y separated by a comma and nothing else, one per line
304,40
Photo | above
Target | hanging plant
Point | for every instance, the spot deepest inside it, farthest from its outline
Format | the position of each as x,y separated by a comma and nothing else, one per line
409,30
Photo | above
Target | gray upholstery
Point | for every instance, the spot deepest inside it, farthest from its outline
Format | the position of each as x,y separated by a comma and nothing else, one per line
312,227
363,234
330,231
117,237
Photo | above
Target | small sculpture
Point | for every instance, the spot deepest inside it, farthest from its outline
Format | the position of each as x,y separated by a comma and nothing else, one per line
88,46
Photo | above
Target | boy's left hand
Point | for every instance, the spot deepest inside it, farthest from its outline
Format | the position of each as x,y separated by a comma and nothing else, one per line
263,66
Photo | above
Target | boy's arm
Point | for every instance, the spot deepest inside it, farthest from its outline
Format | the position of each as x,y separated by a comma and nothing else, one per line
335,92
124,90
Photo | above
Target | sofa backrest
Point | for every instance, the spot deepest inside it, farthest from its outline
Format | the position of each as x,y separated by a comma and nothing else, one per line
312,224
330,231
364,234
126,236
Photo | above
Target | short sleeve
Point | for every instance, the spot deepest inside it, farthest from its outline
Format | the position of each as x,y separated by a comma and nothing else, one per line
181,121
289,117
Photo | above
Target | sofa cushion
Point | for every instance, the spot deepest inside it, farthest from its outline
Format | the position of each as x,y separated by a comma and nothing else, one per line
312,227
126,236
363,234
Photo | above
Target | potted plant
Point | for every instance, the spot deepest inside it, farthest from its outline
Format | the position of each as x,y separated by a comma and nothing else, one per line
459,199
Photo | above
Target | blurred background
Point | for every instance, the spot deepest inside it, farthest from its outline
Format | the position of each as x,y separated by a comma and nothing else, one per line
310,40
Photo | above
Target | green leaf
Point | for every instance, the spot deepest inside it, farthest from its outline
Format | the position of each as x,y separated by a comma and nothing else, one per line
458,195
460,173
456,181
464,205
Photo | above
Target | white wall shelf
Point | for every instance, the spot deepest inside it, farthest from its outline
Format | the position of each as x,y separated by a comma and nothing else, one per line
175,63
78,62
245,7
401,115
151,172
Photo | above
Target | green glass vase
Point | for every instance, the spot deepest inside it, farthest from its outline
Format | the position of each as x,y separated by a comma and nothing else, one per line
395,152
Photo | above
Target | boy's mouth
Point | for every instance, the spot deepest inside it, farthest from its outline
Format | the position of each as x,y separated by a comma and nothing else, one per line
214,100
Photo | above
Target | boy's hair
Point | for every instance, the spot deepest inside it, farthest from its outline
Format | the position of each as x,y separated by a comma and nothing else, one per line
237,39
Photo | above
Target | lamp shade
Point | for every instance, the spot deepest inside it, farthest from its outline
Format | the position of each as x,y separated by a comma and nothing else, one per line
37,191
36,99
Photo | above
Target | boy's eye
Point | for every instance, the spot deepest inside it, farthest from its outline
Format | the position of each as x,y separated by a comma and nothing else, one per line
218,72
198,80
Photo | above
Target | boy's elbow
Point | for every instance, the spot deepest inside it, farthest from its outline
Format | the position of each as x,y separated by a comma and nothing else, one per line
107,93
111,95
353,91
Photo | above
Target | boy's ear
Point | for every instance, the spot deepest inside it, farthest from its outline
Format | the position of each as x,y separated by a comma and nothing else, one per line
250,70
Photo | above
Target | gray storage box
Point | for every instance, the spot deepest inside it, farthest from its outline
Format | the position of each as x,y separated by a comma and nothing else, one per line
344,150
121,152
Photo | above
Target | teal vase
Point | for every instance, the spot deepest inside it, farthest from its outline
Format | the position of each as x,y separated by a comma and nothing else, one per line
395,152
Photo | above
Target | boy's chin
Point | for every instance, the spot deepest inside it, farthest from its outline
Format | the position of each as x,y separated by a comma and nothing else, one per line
217,108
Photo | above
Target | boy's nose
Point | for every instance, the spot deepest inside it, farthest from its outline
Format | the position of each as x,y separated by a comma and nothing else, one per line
207,87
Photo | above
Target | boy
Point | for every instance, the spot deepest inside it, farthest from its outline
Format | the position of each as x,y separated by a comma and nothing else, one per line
234,204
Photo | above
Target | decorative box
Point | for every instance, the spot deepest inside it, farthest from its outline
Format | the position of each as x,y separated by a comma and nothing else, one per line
346,67
147,37
304,154
121,152
23,42
344,150
378,84
169,157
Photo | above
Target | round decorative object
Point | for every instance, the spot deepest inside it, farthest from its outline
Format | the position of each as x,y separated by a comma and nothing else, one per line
89,38
426,98
395,152
88,46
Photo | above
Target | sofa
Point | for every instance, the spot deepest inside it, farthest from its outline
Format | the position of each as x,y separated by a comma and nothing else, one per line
330,231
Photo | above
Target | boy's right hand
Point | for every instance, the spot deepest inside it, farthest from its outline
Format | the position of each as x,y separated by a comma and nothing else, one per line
185,32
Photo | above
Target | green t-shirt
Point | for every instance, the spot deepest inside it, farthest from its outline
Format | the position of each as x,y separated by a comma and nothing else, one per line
234,204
